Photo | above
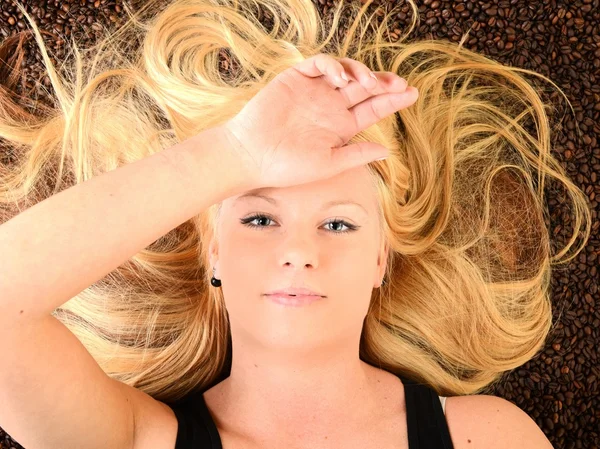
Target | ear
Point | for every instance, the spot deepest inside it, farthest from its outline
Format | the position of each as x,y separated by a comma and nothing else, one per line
213,255
382,261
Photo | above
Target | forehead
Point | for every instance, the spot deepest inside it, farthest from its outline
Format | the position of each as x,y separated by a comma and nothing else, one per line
354,185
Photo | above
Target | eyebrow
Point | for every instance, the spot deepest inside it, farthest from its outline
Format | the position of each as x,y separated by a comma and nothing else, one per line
323,207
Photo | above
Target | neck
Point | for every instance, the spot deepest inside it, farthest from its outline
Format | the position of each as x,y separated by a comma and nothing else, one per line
311,390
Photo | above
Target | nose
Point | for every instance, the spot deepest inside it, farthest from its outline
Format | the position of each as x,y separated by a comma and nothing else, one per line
299,253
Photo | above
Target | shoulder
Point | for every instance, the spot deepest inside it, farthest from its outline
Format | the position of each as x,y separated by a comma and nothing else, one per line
491,422
155,422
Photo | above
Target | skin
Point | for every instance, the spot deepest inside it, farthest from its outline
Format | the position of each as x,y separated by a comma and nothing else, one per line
300,365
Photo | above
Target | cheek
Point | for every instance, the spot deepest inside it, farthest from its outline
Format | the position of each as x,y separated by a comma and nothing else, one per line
344,262
242,267
355,262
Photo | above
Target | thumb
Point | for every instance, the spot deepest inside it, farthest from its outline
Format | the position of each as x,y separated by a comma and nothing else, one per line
357,154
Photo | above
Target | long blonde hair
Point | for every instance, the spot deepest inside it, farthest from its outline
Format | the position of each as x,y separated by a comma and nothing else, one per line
466,296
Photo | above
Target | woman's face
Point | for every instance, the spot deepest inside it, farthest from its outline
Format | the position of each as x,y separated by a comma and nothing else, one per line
301,241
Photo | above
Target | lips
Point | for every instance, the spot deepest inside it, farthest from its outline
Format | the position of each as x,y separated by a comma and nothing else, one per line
294,300
292,292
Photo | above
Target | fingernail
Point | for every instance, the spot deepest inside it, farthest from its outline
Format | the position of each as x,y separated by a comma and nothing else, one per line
381,158
372,75
344,76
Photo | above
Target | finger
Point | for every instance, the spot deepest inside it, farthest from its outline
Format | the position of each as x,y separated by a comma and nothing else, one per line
359,72
376,108
332,69
370,81
388,82
364,86
317,65
360,84
322,65
356,155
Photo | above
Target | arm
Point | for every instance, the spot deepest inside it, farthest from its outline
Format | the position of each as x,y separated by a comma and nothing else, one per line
62,245
53,394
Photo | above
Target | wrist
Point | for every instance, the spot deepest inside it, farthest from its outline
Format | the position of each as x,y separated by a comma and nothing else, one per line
237,158
208,161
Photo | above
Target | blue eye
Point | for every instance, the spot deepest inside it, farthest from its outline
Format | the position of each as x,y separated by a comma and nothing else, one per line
247,222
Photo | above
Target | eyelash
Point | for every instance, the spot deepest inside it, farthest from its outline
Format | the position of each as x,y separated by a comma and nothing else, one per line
246,222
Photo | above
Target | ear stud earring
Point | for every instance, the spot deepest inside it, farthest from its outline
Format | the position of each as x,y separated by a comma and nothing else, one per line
215,282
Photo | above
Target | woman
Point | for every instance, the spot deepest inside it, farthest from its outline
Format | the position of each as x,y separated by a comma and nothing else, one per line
138,304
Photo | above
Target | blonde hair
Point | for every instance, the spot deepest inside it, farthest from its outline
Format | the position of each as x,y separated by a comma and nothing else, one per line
466,296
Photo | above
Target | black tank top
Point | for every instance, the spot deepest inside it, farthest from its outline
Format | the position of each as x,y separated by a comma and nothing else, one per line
426,421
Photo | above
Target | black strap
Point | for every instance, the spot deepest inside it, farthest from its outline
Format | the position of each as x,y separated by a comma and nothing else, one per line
427,426
196,428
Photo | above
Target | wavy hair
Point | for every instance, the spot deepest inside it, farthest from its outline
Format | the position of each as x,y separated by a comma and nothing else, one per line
466,294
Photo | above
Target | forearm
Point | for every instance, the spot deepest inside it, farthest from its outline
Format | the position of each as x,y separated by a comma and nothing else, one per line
58,247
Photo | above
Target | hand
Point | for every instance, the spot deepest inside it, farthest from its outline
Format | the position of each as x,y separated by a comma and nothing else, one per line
293,130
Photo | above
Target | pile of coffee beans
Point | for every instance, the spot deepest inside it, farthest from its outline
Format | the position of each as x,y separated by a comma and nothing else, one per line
559,39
